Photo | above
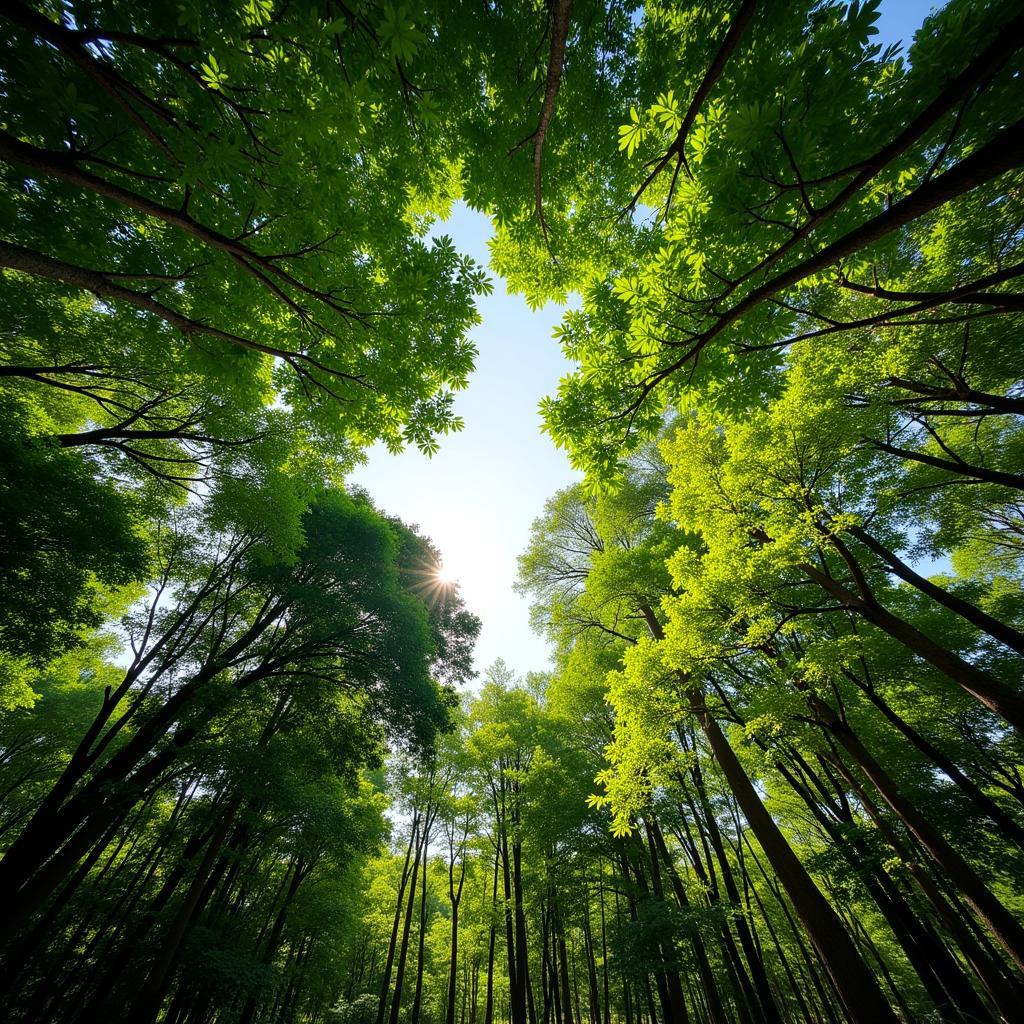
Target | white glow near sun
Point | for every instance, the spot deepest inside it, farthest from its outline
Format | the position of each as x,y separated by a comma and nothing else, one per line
467,553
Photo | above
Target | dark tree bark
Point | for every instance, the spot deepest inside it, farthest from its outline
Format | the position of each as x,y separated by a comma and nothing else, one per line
856,984
385,985
1003,926
403,951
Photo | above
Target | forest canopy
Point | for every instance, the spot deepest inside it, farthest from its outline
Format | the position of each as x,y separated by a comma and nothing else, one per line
250,769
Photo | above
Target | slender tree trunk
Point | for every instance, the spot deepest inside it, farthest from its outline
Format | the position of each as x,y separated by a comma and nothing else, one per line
573,961
300,869
492,940
709,987
794,986
938,969
994,694
1008,825
417,1000
593,996
1012,638
668,994
68,822
1006,992
510,943
675,990
455,895
855,983
761,1000
604,955
827,997
522,958
551,963
1003,926
746,1000
403,953
147,1002
385,985
563,964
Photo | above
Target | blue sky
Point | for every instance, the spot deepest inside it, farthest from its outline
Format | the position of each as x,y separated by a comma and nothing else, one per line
478,496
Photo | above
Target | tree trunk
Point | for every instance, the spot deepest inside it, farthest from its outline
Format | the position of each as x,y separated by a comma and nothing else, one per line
403,953
999,698
147,1002
1012,638
522,957
385,984
492,941
940,973
563,964
761,999
604,956
417,999
593,996
855,983
1007,824
1000,922
1006,992
455,895
709,987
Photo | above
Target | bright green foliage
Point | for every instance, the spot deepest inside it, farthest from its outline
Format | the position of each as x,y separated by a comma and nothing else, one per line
757,234
261,191
215,265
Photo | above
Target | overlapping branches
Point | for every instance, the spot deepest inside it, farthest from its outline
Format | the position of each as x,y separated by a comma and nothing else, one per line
677,151
1003,153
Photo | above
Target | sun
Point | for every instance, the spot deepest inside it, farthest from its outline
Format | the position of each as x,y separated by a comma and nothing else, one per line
445,577
434,583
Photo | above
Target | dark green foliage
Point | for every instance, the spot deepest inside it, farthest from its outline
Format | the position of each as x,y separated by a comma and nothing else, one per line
65,535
